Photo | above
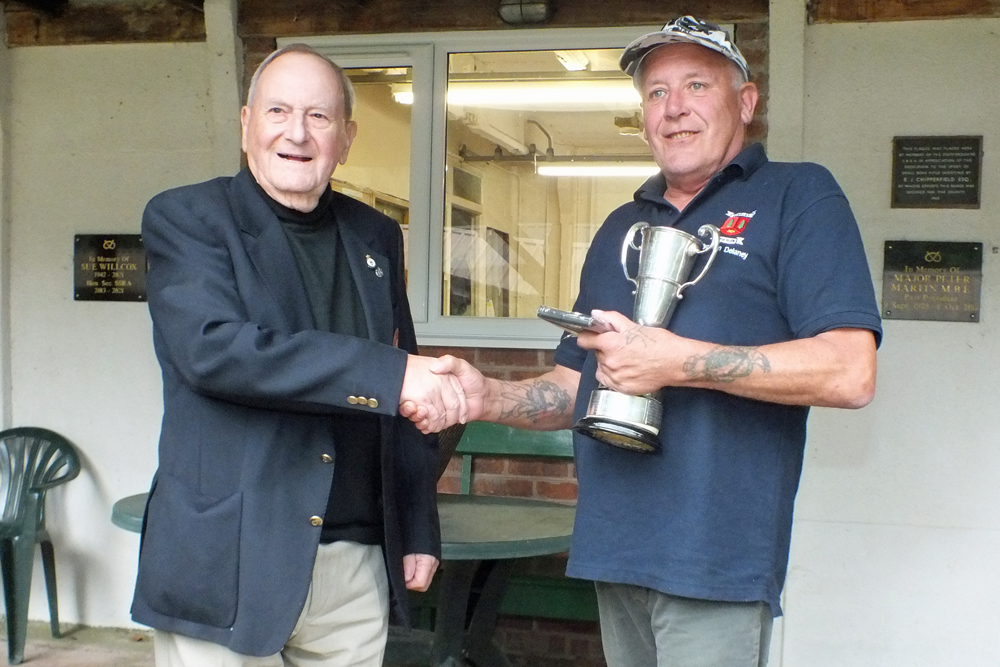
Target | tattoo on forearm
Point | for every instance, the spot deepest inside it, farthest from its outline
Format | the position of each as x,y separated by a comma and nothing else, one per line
539,399
726,364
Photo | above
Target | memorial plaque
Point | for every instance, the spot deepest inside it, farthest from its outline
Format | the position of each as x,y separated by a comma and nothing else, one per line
932,280
936,172
109,267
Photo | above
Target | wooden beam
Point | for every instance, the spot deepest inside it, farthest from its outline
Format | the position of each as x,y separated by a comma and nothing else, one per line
867,11
295,18
153,21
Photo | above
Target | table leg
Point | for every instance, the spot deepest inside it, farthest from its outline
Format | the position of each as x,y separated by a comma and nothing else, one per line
453,604
479,646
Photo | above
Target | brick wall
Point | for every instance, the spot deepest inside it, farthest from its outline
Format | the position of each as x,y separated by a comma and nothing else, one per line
752,39
540,643
498,476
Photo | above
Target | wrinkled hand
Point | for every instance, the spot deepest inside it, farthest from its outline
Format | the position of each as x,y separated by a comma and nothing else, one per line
438,398
628,358
473,386
418,571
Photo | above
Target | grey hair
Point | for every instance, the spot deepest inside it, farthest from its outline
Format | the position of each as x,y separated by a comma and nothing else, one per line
345,82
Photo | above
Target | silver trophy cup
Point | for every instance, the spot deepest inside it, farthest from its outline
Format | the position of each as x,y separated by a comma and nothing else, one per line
666,257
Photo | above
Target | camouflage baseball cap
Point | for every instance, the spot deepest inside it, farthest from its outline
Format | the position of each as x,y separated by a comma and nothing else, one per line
683,29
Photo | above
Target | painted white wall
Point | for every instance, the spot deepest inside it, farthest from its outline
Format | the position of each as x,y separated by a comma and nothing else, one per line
95,131
5,70
896,540
786,79
224,52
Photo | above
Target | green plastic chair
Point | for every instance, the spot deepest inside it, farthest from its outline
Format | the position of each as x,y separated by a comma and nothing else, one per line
32,461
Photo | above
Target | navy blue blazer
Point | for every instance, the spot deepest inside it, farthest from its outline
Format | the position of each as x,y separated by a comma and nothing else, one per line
250,388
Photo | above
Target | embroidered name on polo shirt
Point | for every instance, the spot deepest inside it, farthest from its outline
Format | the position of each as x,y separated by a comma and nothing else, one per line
731,231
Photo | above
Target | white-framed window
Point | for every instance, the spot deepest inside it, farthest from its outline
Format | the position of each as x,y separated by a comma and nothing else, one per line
459,131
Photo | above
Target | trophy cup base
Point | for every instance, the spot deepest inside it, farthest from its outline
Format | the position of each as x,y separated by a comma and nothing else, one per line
622,420
618,434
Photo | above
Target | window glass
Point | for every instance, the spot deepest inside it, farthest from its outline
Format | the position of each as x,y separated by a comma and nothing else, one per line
515,236
474,142
377,171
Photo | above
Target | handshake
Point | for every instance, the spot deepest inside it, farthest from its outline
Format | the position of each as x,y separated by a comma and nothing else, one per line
440,392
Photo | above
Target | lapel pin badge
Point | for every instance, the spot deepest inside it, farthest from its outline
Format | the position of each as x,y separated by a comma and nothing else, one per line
371,265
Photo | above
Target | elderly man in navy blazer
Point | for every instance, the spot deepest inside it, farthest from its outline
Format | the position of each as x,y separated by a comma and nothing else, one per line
293,506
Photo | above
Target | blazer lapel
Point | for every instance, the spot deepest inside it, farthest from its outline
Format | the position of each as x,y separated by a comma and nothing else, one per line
372,274
268,249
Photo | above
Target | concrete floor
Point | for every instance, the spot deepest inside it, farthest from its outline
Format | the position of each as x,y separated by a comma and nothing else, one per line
81,646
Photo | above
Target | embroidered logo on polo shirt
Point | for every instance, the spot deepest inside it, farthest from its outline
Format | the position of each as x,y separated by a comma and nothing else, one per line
736,223
732,230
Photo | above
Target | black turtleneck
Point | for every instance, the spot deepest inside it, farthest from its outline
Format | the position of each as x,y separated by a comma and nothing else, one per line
354,509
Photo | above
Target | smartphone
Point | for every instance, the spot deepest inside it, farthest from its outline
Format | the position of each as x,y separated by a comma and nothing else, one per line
573,322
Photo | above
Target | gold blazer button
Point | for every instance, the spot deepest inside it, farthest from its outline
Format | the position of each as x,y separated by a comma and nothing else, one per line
372,403
353,400
326,458
316,520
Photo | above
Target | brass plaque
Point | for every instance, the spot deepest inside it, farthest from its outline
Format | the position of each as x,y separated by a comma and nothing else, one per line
936,172
109,267
932,280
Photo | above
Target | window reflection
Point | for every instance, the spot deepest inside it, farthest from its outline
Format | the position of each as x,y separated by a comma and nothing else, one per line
378,167
514,238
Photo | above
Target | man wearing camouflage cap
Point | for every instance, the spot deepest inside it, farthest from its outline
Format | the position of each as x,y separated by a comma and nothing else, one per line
689,547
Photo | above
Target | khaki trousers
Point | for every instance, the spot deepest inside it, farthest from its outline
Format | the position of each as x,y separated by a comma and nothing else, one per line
641,627
344,622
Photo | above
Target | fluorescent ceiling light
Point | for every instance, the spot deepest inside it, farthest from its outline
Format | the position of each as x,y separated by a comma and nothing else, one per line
573,61
585,170
402,96
535,95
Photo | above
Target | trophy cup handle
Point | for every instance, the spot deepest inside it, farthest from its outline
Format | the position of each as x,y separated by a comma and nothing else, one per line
629,243
712,247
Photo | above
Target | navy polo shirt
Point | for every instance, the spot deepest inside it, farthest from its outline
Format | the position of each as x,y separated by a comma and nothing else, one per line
710,516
